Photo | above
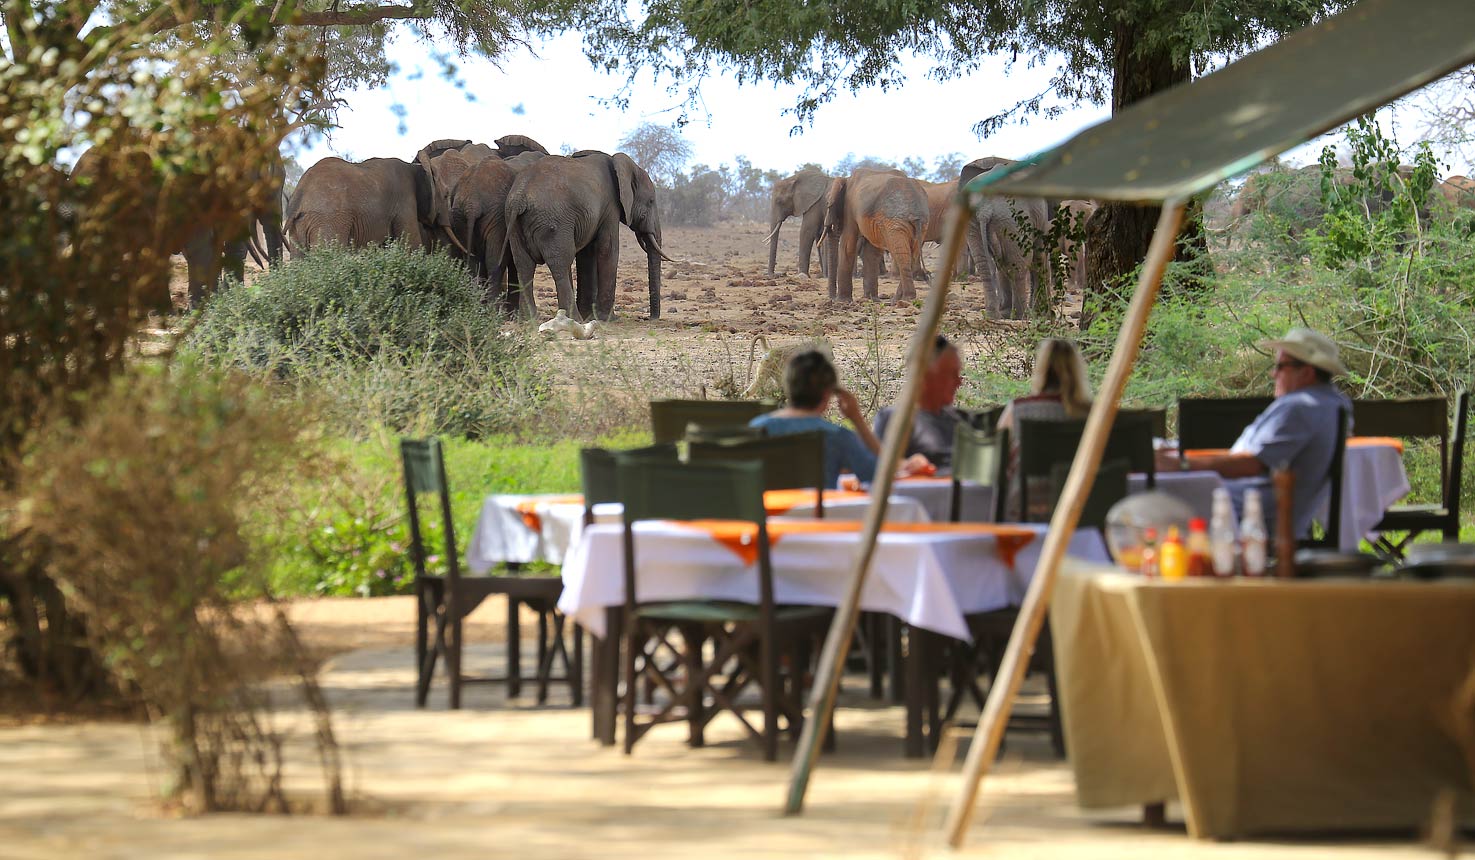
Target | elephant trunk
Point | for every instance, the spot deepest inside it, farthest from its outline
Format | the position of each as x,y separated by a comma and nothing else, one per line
775,221
651,243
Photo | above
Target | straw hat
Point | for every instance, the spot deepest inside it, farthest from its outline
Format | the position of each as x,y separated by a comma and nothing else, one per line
1310,346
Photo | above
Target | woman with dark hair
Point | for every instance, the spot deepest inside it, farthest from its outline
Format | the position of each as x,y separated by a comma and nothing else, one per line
1059,390
810,382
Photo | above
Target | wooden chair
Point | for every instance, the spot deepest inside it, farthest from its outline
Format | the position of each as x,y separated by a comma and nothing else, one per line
1157,417
793,461
979,457
1044,444
722,432
1421,418
1216,422
747,638
1331,530
668,418
445,601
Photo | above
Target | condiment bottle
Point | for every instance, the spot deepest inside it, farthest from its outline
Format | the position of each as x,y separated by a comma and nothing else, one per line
1252,535
1172,560
1197,547
1149,551
1223,539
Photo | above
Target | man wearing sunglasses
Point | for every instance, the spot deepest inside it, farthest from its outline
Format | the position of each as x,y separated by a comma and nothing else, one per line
1297,431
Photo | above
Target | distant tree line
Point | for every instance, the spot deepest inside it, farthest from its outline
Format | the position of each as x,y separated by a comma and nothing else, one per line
701,194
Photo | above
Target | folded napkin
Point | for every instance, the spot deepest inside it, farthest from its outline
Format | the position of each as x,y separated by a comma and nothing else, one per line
528,509
742,537
779,502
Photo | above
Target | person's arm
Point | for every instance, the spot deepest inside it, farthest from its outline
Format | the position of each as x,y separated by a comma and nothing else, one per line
854,456
850,408
1006,418
1227,465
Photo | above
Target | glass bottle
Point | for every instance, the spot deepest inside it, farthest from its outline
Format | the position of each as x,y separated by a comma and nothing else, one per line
1252,535
1223,538
1197,547
1149,551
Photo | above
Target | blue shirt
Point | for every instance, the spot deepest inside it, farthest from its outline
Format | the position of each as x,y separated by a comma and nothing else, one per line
843,449
1297,431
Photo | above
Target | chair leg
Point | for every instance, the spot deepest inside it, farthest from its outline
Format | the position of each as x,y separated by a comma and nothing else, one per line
453,662
696,716
576,668
769,669
632,641
514,648
422,636
876,640
547,651
1057,732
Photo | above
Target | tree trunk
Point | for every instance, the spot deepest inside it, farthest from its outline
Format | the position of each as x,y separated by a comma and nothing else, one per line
1117,234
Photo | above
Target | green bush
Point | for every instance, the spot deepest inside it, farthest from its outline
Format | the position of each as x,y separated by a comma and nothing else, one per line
382,336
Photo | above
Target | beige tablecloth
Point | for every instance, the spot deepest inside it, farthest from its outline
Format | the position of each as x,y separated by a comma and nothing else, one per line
1264,706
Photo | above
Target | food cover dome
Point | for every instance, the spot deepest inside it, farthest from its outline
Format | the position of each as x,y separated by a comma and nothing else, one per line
1128,521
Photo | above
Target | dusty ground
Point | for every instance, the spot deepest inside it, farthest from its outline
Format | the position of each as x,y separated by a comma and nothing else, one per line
508,779
718,297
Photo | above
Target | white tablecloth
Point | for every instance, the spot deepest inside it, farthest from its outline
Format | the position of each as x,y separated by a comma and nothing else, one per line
927,579
1373,479
502,533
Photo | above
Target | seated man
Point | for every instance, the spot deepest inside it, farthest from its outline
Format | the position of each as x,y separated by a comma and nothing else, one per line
936,417
811,384
1297,431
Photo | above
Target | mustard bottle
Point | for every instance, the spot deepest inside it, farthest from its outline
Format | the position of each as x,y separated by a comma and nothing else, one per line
1172,560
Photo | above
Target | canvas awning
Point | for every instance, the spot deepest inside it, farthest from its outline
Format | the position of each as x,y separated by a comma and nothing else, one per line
1192,137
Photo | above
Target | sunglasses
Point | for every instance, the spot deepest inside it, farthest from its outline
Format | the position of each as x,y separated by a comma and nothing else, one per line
1282,365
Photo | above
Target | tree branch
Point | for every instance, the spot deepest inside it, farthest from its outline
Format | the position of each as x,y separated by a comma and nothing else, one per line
352,16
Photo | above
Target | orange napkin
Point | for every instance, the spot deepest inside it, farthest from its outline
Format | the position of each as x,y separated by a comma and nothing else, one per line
529,509
742,537
780,502
923,479
1374,441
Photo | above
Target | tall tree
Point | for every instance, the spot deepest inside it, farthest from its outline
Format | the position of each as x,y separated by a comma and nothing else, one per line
1102,53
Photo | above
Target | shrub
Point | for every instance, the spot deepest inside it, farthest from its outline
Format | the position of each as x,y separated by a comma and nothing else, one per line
379,336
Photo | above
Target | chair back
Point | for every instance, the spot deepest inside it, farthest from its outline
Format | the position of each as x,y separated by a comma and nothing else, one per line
1158,418
1216,422
795,460
597,473
668,418
1043,444
722,432
1408,418
1332,529
657,489
1109,487
979,457
425,473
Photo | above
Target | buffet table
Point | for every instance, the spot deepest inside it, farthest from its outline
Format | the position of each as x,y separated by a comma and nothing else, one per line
1264,706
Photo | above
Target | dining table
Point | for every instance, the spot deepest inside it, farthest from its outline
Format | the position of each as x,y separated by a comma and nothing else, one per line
1267,706
930,576
1373,479
524,528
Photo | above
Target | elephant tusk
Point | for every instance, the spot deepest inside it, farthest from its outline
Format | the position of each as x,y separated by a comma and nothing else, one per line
769,238
454,240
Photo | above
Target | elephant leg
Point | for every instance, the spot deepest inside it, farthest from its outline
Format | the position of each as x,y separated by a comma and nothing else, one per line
235,261
871,259
586,281
203,257
560,267
806,247
844,263
271,229
523,269
810,228
606,267
906,261
989,271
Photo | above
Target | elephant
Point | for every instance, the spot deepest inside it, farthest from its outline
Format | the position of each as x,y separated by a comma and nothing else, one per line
1073,252
366,203
939,197
886,208
1010,255
208,253
566,210
507,146
1458,192
800,195
478,204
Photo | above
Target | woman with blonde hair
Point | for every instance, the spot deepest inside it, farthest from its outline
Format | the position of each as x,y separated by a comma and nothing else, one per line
1059,390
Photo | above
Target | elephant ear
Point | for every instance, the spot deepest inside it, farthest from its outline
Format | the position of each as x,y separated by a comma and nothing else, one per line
835,203
436,147
625,172
979,166
808,192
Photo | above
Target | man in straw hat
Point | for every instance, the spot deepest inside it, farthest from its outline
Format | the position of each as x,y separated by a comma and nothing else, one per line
1297,431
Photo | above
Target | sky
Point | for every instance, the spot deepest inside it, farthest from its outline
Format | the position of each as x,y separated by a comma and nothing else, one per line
553,94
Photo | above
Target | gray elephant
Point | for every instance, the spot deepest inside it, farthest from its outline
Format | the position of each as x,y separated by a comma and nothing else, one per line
478,204
507,147
1009,253
888,210
369,203
209,254
1072,249
562,211
801,195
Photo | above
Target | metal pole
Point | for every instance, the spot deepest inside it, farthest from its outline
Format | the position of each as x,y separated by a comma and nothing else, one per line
898,431
1005,688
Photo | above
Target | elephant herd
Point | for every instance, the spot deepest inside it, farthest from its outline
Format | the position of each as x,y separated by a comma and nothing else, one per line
503,210
873,212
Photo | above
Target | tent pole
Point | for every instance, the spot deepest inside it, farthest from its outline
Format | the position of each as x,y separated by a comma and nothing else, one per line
990,731
898,431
